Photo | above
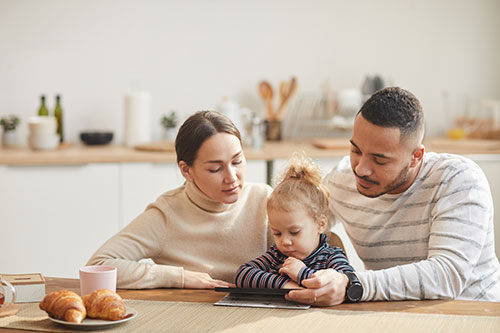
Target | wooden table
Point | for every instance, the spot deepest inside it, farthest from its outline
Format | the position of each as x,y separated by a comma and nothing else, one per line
210,296
444,307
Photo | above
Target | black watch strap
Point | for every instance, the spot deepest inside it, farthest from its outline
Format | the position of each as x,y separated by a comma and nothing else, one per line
354,290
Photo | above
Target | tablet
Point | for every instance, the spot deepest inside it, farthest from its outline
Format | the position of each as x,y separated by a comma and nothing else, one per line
258,298
254,291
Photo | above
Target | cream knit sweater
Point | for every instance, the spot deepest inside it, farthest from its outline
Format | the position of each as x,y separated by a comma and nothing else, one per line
184,229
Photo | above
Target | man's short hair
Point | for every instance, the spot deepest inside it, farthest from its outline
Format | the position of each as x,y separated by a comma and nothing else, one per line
396,108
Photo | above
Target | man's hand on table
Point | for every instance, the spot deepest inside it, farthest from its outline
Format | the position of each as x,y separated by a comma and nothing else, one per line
197,280
324,288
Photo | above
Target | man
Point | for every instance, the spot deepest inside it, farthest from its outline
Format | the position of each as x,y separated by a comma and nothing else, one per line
422,224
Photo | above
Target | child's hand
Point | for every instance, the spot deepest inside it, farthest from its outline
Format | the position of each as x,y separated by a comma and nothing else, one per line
292,267
292,285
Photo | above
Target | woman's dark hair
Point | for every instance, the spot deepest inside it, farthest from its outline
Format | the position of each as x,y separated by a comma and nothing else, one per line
397,108
196,129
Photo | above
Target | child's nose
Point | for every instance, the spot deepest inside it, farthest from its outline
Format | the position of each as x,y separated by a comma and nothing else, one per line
287,241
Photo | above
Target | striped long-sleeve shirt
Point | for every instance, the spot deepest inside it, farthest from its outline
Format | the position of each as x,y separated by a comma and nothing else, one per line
434,240
263,271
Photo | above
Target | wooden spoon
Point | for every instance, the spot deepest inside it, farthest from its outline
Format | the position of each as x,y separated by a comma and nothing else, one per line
291,88
283,91
266,92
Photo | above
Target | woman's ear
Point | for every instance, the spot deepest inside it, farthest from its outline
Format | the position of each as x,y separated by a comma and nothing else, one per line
322,223
185,170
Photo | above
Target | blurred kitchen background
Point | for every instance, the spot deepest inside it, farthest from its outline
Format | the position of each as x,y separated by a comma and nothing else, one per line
193,55
121,67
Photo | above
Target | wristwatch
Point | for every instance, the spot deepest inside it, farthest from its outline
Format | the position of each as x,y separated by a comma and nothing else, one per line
354,289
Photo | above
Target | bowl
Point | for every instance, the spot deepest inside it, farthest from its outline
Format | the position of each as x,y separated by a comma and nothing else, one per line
96,138
44,125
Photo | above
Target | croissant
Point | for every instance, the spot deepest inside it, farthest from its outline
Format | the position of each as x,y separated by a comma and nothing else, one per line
104,304
65,305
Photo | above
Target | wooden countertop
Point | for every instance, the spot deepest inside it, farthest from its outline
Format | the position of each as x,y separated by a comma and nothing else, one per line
78,154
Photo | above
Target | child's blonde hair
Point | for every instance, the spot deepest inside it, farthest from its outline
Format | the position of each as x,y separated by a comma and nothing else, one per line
300,186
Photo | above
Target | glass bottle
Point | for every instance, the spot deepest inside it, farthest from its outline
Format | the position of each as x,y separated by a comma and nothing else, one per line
58,113
43,111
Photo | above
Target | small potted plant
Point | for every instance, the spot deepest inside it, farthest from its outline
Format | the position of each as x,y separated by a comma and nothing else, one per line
9,135
169,123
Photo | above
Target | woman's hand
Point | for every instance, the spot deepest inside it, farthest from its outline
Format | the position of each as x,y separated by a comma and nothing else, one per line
292,267
197,280
326,287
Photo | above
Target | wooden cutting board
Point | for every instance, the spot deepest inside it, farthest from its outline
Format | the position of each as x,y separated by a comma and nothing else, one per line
332,143
160,146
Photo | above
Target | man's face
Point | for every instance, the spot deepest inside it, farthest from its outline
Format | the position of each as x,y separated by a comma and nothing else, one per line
380,161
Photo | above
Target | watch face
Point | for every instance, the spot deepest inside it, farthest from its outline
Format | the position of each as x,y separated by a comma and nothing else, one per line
354,292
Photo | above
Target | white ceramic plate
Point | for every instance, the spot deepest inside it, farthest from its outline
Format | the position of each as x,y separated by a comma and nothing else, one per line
89,323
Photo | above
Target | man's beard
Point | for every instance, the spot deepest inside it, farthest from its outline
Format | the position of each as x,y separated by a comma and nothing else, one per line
399,181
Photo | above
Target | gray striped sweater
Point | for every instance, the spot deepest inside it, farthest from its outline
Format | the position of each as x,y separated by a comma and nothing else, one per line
433,241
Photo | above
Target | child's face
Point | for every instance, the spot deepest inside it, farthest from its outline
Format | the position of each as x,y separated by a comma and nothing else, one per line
296,233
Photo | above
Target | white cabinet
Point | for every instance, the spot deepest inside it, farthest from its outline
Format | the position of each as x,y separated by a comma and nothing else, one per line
53,218
491,167
142,183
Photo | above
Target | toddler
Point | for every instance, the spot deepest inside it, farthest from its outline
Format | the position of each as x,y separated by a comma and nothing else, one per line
297,210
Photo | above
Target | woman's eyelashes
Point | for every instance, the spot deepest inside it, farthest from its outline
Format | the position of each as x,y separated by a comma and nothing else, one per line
236,162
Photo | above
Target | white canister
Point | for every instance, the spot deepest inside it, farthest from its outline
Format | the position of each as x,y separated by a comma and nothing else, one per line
137,118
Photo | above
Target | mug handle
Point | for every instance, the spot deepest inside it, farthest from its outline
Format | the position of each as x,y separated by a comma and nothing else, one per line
12,289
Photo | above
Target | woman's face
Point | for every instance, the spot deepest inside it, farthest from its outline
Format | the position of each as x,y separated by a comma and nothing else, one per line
219,168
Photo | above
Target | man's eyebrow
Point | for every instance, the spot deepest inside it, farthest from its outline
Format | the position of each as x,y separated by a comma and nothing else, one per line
373,154
221,161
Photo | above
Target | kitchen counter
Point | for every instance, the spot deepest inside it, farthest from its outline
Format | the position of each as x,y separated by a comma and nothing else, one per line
69,154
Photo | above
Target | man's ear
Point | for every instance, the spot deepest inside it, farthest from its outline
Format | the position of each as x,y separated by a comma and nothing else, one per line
322,223
185,170
417,155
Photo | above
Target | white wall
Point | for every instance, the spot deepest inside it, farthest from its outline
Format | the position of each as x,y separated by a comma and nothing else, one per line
190,54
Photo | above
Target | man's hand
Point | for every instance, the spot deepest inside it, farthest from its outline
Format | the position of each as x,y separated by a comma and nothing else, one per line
292,267
197,280
324,288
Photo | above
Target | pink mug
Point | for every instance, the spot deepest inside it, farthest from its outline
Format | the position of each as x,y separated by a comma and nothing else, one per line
93,278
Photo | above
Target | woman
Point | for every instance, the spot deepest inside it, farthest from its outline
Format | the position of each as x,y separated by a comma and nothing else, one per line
200,233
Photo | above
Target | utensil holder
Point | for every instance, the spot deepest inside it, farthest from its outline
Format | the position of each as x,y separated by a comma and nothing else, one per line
273,130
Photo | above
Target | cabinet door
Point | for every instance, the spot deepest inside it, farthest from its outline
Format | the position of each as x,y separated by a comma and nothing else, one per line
53,218
490,168
142,183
